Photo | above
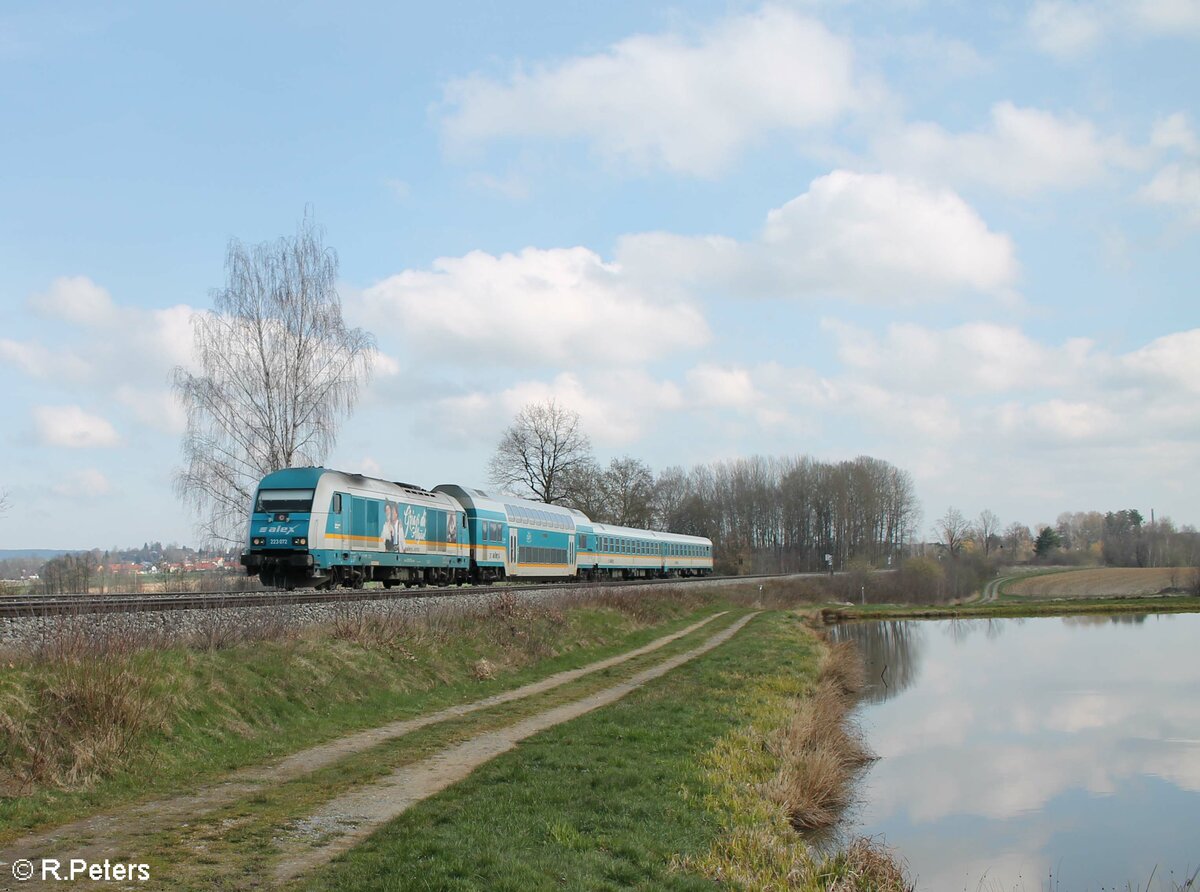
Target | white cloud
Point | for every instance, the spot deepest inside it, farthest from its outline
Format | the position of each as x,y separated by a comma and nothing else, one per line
722,386
38,361
155,408
72,427
105,344
75,299
539,307
1175,132
1071,29
88,483
1171,362
615,407
1022,151
514,187
982,401
1064,29
974,358
1177,185
664,101
1166,17
869,237
1059,420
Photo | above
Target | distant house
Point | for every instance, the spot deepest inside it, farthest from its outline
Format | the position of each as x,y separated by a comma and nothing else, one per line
121,568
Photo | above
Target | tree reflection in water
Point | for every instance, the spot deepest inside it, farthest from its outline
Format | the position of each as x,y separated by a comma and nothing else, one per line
891,651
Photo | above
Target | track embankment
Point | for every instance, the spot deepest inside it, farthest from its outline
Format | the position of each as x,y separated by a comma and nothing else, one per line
132,829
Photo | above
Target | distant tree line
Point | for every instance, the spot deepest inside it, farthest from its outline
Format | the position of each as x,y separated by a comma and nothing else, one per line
1126,539
764,514
1116,538
69,573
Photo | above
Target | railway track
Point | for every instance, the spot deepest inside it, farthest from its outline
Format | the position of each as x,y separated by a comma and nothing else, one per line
57,605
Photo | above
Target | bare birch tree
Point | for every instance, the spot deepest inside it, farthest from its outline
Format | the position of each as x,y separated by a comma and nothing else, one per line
277,371
539,451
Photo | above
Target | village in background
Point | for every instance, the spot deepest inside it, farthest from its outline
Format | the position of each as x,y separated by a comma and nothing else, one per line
153,567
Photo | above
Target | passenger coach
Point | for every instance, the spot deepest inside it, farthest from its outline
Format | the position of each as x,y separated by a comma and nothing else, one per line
516,538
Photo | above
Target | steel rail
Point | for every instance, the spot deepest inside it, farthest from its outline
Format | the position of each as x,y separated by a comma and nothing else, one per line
131,602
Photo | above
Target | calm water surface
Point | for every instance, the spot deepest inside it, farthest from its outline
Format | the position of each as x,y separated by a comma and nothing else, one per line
1027,754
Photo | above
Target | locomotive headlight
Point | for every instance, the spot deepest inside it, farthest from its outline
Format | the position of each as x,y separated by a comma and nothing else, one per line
300,540
258,540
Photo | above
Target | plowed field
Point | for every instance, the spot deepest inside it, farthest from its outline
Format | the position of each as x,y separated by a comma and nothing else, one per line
1109,582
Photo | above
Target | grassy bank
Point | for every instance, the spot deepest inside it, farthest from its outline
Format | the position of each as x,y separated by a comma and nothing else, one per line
997,609
703,774
89,723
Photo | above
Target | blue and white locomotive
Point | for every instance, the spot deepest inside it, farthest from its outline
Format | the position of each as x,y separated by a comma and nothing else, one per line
324,528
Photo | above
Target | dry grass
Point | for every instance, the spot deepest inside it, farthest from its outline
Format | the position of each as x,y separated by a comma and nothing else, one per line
79,716
820,752
1099,583
865,866
790,771
483,670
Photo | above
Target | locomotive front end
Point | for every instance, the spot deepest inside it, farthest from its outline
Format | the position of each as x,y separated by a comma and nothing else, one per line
278,539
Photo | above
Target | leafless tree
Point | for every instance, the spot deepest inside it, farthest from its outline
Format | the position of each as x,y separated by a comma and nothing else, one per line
5,504
539,451
1018,541
954,530
628,486
670,493
278,370
583,489
988,529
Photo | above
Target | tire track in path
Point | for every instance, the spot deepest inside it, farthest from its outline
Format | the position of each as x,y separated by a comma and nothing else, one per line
348,819
98,836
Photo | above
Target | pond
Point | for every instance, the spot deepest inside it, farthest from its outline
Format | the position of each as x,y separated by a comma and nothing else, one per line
1024,754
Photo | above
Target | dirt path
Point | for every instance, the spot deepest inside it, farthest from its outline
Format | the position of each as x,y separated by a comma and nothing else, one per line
348,819
100,836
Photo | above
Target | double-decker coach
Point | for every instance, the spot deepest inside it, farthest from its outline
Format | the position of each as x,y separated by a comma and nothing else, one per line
515,538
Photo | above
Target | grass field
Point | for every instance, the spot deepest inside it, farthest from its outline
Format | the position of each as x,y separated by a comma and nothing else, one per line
83,729
702,774
1106,582
676,787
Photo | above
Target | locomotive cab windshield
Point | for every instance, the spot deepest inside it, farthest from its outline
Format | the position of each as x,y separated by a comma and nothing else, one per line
271,501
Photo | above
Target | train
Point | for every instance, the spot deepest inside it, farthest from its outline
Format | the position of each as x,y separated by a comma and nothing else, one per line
321,528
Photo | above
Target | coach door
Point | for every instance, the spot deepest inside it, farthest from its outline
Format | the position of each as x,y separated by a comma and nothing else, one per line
571,553
512,548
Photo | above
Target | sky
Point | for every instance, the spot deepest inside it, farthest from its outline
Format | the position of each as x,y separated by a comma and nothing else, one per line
960,237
